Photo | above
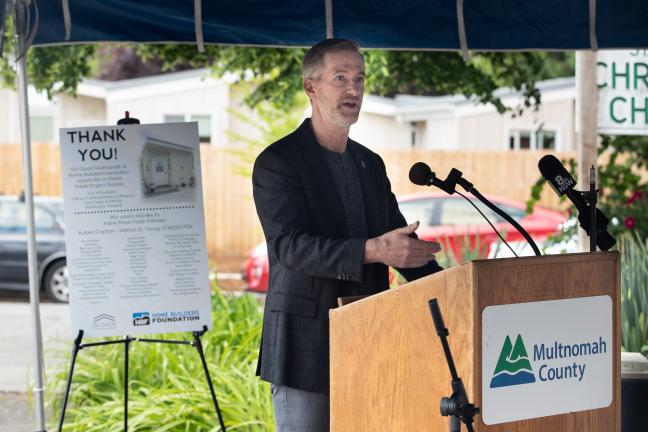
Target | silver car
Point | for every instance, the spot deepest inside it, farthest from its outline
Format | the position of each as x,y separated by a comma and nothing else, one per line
50,246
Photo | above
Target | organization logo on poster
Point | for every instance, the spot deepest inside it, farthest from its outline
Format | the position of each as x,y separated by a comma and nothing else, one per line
141,319
103,322
513,366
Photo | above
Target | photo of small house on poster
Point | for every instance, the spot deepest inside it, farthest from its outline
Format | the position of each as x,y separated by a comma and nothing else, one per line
167,167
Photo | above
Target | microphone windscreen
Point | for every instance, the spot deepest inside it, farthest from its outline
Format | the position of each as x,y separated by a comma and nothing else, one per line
605,241
420,174
555,173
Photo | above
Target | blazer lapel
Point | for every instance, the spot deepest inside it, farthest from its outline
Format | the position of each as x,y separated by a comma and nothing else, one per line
369,187
321,175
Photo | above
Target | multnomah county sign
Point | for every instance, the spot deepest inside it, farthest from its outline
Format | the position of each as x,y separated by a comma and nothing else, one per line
546,358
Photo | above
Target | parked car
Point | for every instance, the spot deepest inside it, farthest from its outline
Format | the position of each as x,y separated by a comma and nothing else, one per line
50,246
451,220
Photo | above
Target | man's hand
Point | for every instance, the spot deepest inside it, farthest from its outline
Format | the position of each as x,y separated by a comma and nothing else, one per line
397,249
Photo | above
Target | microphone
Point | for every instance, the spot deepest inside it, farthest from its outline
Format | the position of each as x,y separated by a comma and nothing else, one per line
563,183
421,174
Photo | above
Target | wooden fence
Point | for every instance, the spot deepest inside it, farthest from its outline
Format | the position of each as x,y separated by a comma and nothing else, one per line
230,218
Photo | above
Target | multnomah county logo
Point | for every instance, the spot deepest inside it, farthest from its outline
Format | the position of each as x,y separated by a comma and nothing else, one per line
513,366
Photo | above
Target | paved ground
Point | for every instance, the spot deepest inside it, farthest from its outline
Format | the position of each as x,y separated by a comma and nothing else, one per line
17,357
16,413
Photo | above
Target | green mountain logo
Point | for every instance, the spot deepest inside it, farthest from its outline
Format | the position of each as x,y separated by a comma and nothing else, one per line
513,366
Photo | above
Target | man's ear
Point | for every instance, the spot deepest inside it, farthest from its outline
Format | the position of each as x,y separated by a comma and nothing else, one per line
309,87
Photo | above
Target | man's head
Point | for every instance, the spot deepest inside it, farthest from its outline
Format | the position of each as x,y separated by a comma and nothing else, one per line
333,72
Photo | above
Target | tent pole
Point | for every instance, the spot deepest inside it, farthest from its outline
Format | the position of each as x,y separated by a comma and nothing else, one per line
34,292
587,136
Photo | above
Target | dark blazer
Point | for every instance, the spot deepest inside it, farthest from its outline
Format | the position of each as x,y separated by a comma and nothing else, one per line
312,259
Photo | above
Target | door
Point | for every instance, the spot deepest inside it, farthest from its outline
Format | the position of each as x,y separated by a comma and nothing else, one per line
160,170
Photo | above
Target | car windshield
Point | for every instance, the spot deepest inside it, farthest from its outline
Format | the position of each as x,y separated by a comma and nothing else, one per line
453,211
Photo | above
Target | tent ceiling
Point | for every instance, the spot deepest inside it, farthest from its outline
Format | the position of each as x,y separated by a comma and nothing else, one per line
417,24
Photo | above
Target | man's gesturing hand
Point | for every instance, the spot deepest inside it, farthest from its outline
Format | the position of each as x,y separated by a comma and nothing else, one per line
397,249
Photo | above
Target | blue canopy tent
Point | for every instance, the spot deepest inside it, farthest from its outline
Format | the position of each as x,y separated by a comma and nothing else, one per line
460,25
393,24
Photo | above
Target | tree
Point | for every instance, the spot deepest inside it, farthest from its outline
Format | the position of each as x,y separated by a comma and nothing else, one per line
277,71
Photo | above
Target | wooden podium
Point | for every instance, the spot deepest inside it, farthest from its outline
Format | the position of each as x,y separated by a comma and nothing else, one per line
388,370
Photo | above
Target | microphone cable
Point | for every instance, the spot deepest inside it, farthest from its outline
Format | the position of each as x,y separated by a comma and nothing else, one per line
489,222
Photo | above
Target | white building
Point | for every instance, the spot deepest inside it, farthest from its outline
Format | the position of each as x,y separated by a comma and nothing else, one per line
456,123
403,122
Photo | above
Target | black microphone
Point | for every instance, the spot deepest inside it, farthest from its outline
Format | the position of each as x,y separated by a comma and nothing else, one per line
563,183
421,174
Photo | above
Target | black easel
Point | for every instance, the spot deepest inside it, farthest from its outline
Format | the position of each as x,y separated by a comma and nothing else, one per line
457,406
197,343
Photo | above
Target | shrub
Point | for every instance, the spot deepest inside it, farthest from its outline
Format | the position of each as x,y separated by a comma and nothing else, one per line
634,294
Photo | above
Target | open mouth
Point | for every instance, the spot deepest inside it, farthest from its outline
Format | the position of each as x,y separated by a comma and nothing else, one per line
350,104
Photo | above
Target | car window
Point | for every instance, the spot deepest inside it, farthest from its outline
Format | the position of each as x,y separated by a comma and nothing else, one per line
13,218
516,213
455,211
421,210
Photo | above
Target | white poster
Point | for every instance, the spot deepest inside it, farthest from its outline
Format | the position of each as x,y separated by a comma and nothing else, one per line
546,358
135,229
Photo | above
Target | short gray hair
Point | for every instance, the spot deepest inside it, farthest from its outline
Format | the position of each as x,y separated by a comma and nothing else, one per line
314,58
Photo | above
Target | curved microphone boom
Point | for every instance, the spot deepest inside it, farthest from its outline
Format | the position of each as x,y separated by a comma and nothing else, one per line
421,174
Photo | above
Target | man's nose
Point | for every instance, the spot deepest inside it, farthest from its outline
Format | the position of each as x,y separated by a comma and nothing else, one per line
354,88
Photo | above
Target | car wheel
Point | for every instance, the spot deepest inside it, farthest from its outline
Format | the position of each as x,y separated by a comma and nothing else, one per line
55,282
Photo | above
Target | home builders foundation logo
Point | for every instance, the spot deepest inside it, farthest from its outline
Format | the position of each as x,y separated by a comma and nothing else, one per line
513,366
553,362
141,319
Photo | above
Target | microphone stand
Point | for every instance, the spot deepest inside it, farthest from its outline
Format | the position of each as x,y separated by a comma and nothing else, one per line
455,178
591,198
457,405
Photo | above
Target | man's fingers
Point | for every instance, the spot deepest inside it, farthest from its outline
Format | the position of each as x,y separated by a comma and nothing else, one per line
423,246
407,230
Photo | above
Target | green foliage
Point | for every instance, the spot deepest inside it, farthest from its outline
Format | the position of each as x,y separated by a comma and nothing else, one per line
53,69
634,293
168,390
278,71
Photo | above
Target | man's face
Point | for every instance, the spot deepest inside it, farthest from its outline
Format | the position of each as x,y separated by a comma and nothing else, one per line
337,94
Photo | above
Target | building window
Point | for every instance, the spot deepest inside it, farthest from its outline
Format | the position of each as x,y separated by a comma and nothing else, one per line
204,124
174,118
541,139
546,140
41,128
204,127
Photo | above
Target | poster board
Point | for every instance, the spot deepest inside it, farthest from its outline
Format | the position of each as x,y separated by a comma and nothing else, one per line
135,229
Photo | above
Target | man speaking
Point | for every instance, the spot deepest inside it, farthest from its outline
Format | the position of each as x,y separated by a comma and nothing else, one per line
332,226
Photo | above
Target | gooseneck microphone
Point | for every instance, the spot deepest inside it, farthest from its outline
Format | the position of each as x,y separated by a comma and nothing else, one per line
421,174
563,184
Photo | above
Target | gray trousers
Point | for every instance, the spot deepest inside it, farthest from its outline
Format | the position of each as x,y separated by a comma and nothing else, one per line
300,411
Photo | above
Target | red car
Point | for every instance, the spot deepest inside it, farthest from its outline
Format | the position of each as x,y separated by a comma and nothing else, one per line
450,220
